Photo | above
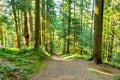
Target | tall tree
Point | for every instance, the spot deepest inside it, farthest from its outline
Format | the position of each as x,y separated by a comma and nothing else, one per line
26,33
47,30
69,22
81,22
31,22
43,23
74,23
37,23
15,23
98,26
63,24
1,36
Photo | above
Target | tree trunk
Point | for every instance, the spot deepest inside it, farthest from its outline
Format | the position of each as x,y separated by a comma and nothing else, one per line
98,23
16,25
69,22
26,34
1,36
64,32
31,25
43,23
74,28
4,38
40,30
37,23
48,13
81,24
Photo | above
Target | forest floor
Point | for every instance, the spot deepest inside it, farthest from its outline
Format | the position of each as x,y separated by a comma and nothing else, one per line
60,69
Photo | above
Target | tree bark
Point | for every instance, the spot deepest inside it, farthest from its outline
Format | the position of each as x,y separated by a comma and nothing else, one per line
26,34
31,25
81,25
16,25
74,28
98,23
64,31
37,23
43,23
69,21
1,36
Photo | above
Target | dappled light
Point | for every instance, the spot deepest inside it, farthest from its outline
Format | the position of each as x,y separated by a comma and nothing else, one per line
101,72
59,39
57,58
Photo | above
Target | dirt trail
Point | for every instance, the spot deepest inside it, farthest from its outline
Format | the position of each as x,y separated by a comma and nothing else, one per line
60,69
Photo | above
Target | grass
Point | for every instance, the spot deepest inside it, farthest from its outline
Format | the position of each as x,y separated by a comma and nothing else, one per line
112,63
88,57
20,63
77,56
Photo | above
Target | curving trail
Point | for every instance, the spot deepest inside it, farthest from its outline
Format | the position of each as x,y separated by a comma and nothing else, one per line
60,69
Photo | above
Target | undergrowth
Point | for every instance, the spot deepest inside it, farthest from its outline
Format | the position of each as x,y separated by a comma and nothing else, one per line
112,63
77,56
117,77
18,64
88,57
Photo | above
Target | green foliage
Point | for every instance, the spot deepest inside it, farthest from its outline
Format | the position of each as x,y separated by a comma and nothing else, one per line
8,53
117,77
20,63
77,56
10,71
81,29
112,63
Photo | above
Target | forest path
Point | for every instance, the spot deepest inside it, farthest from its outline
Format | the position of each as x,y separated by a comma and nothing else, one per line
61,69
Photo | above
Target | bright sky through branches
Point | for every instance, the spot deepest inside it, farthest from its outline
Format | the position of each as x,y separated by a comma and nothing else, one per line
58,3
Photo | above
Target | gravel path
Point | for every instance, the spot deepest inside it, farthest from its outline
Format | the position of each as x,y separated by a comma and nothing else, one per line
60,69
